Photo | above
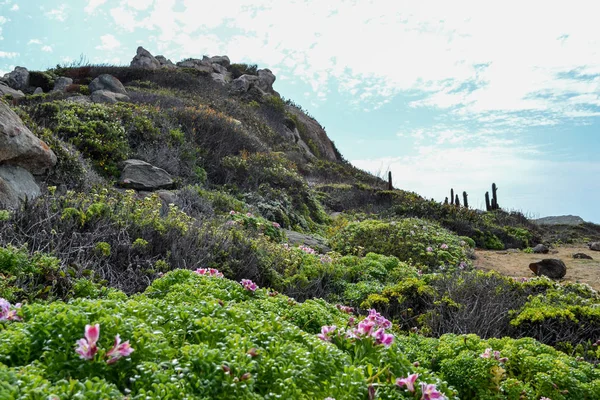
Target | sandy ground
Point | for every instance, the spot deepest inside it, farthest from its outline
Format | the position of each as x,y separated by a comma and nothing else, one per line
516,264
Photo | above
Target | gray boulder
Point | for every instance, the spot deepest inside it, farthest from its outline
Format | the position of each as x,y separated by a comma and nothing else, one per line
165,63
38,90
62,83
197,64
243,83
551,267
143,59
18,79
16,185
541,249
266,80
79,99
20,147
582,256
105,96
140,175
595,246
5,89
109,83
297,238
220,78
219,69
221,60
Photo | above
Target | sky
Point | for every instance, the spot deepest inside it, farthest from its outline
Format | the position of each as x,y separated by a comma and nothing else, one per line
445,94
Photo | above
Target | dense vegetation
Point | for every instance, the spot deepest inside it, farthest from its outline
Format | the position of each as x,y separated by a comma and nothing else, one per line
210,299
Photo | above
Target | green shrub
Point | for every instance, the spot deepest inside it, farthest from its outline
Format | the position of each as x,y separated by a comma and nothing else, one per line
238,70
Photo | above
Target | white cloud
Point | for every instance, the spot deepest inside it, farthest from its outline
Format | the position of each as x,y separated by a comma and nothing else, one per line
34,41
139,4
8,54
15,7
109,42
47,49
93,5
59,14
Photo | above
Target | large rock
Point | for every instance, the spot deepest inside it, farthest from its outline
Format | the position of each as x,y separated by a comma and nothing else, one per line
582,256
200,65
18,79
109,83
143,59
243,83
297,238
165,63
223,79
62,83
18,146
140,175
550,267
5,89
595,246
266,80
541,249
221,60
16,185
105,96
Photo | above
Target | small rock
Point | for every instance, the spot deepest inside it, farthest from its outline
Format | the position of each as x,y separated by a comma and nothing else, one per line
143,59
79,99
105,96
582,256
16,185
541,249
38,90
62,83
140,175
5,89
18,79
109,83
550,267
595,246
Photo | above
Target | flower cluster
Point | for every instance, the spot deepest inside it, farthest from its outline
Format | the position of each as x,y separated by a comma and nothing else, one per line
87,348
496,354
209,272
307,250
428,391
429,249
345,309
373,326
8,312
325,259
249,285
444,246
276,225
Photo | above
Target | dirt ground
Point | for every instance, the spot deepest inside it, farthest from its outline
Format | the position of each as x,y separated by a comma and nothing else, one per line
516,263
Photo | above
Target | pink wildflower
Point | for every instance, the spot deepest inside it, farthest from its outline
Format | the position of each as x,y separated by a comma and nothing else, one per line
118,350
487,353
249,215
249,285
326,331
276,225
409,381
444,246
429,249
232,212
383,338
345,309
209,272
86,347
430,392
6,314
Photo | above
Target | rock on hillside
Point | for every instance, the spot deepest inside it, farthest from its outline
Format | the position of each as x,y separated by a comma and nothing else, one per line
312,136
560,220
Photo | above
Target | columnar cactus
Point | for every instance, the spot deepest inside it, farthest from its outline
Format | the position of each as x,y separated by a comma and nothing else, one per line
457,202
465,201
488,207
494,197
452,196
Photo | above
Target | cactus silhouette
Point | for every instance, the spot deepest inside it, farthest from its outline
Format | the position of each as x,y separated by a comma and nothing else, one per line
465,201
488,207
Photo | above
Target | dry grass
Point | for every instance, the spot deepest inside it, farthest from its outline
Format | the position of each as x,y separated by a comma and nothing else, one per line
516,264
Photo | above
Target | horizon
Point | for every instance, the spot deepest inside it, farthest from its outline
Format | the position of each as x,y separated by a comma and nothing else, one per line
458,95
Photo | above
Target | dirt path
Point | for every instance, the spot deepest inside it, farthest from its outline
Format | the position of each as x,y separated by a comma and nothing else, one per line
517,263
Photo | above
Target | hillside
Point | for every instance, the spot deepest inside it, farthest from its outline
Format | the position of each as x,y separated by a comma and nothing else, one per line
181,231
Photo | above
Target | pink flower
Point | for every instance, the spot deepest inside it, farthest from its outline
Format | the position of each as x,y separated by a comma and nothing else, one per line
209,272
232,212
365,327
249,215
118,350
326,332
429,249
383,338
487,353
249,285
409,381
430,392
86,347
444,246
345,309
276,225
6,314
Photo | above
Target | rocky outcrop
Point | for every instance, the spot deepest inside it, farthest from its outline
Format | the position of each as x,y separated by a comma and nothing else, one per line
108,83
140,175
221,60
595,246
143,59
165,63
20,147
313,136
16,185
541,249
5,89
243,83
297,238
200,65
551,267
62,83
560,220
18,79
266,80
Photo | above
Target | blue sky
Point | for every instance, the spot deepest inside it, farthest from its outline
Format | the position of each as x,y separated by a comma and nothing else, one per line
445,94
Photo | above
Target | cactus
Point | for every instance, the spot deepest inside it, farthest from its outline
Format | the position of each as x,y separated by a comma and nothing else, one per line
488,207
494,197
465,202
452,196
390,187
457,202
446,201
